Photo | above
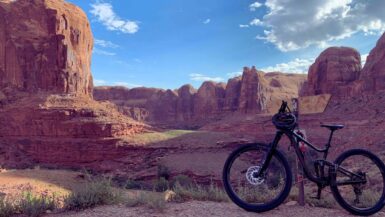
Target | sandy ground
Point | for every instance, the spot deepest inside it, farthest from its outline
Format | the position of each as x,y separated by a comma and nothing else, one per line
203,209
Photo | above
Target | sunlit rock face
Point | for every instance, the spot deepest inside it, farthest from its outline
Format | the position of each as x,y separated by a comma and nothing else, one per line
333,71
45,45
373,73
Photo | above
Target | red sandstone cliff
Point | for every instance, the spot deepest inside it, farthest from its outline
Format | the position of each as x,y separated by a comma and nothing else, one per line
45,46
253,92
47,115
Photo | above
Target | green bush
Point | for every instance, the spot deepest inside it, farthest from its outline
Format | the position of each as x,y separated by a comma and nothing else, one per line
93,193
183,180
132,184
6,208
198,192
34,206
163,172
161,185
150,200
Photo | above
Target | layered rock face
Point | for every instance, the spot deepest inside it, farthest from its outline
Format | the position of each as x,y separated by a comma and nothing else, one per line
45,45
47,115
333,71
338,71
253,92
373,73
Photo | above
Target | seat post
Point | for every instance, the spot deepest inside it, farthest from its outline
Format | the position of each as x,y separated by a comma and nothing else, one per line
328,144
330,138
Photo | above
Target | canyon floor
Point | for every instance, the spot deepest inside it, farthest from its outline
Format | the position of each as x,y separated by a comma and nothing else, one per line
205,208
61,182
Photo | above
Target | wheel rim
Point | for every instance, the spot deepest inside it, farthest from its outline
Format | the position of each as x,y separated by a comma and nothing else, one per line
363,196
246,186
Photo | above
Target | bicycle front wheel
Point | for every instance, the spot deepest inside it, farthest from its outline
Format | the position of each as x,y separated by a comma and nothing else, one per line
250,191
365,195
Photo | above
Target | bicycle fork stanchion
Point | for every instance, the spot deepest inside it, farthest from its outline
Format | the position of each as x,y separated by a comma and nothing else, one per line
299,177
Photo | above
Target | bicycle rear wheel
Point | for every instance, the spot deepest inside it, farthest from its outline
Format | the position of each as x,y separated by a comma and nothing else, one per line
252,192
367,195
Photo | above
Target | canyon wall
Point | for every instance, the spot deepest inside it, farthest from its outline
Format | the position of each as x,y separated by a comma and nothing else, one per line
253,92
45,46
47,114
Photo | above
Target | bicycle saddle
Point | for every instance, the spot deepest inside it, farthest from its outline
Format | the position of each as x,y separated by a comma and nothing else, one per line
333,126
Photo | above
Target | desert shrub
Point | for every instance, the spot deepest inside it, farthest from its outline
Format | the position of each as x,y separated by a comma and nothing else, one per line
132,184
183,180
150,200
36,205
163,172
93,193
199,192
6,208
161,185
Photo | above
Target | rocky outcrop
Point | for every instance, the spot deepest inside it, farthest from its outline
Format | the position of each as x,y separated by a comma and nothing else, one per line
233,90
252,95
209,99
373,73
334,72
185,103
45,45
47,114
253,92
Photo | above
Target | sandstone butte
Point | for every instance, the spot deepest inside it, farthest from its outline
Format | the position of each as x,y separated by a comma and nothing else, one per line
48,115
253,92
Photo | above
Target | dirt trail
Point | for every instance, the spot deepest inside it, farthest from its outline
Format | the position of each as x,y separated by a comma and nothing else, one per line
203,209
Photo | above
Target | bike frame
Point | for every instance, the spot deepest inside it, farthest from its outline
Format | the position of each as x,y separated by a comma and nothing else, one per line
295,139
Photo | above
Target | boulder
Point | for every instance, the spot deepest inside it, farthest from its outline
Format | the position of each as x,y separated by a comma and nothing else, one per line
45,45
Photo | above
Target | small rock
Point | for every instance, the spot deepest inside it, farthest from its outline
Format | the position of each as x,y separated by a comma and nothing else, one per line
291,203
169,195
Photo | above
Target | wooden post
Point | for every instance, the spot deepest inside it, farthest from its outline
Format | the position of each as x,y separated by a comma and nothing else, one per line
299,172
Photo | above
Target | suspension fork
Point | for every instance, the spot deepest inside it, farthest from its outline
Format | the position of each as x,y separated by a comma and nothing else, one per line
270,152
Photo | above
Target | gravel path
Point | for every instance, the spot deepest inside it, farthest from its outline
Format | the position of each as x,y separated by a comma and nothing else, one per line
202,209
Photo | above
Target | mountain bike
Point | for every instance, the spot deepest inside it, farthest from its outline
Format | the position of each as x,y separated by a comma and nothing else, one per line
257,177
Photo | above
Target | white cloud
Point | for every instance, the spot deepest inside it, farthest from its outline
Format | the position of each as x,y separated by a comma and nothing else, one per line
363,59
103,52
207,21
233,74
106,15
138,60
254,6
295,66
243,26
105,44
125,84
99,82
295,24
256,22
201,77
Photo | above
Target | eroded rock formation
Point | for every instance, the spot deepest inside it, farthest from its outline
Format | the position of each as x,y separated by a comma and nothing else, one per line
45,45
47,114
333,71
253,92
373,73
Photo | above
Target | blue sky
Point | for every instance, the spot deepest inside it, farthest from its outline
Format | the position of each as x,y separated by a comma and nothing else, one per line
168,43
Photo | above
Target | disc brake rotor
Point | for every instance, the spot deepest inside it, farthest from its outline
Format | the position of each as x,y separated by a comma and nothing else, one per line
251,175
